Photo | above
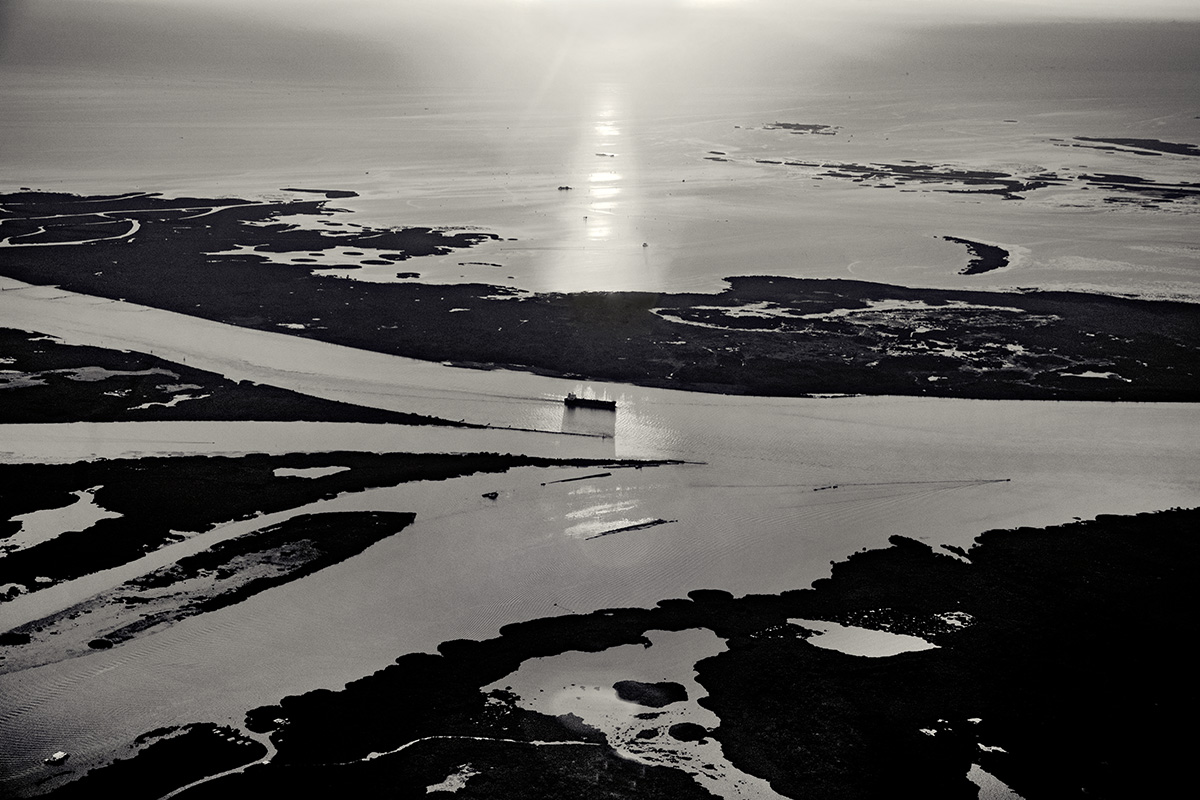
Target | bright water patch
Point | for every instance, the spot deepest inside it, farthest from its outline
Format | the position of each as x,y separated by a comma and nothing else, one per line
367,265
457,780
856,641
46,524
582,684
990,787
310,472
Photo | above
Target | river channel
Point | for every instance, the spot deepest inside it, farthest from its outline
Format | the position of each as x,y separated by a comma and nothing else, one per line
773,491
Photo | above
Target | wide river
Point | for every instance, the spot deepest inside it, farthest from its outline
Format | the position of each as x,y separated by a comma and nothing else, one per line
773,491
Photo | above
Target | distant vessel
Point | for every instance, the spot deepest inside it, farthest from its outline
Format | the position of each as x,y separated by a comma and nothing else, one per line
572,400
57,758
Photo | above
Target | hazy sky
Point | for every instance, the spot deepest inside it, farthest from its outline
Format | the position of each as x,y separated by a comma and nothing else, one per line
315,41
146,72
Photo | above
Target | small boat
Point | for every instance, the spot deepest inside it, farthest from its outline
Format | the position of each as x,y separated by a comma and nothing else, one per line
573,400
57,758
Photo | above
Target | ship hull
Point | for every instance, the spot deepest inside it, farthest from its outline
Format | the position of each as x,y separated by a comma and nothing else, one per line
586,402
